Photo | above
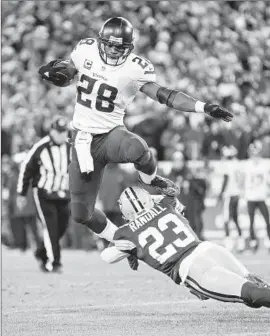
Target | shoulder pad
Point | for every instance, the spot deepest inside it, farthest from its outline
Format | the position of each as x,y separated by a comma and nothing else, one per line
86,41
143,70
142,63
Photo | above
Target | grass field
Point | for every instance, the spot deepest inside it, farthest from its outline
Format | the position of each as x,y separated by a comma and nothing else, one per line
93,298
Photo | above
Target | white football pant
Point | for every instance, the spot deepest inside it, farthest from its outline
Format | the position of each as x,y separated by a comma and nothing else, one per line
214,272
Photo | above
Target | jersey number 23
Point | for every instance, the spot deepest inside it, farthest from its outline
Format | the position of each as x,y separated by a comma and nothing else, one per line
165,223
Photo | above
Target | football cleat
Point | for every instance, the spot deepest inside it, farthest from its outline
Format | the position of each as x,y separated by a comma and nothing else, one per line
40,255
163,185
253,305
49,268
258,281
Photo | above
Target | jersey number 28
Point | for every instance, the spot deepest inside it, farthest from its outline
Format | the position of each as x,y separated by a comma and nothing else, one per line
172,248
106,94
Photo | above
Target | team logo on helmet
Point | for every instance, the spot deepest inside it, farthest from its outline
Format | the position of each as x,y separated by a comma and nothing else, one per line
116,39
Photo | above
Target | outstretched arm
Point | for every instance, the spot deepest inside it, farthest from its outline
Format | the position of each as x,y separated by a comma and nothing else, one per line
112,255
120,250
182,102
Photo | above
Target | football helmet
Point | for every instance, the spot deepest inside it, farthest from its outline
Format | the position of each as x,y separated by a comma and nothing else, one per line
134,201
115,41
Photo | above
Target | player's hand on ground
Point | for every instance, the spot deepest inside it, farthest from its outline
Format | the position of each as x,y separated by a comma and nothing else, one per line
217,112
133,262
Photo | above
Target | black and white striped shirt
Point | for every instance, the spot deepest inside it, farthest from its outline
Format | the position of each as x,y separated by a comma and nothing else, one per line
46,166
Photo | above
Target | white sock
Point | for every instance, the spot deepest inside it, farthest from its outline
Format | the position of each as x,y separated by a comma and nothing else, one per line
109,231
147,178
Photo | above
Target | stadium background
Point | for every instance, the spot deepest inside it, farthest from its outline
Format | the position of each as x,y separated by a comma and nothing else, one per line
214,51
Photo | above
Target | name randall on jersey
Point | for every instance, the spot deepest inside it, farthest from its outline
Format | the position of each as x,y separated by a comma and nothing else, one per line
144,219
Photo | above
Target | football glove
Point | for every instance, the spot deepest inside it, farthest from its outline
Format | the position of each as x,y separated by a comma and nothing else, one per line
57,72
133,262
217,112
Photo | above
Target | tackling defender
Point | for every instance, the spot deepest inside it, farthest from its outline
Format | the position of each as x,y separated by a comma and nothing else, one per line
109,77
157,233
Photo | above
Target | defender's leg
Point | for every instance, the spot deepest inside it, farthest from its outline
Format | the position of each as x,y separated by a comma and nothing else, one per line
209,272
223,285
228,260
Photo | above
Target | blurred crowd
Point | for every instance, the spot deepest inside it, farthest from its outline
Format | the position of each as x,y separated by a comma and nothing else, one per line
213,51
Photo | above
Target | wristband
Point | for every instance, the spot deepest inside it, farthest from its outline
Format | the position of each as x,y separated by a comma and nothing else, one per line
199,107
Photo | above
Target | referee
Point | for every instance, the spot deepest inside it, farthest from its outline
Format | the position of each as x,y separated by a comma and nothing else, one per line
45,167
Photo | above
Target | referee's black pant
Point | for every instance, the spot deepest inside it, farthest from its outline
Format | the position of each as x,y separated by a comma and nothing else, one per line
54,217
231,212
261,205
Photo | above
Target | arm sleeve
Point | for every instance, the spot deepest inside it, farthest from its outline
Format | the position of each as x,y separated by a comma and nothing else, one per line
29,168
112,255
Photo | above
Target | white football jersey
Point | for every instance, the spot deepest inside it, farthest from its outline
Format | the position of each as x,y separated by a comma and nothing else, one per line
257,179
104,91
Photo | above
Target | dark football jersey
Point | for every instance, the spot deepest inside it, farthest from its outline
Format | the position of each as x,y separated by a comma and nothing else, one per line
163,237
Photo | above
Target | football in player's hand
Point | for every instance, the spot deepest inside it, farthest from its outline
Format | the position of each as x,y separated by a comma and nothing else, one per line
64,72
58,72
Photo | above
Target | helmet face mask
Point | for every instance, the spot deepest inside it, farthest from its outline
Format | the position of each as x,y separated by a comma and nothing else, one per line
133,202
115,41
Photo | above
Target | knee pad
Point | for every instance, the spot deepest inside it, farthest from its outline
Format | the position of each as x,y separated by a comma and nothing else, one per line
139,153
95,220
80,212
136,149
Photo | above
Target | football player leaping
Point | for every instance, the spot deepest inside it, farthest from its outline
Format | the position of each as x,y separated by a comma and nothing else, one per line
157,233
109,77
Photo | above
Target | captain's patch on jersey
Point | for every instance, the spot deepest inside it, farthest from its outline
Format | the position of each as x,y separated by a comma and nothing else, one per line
87,64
